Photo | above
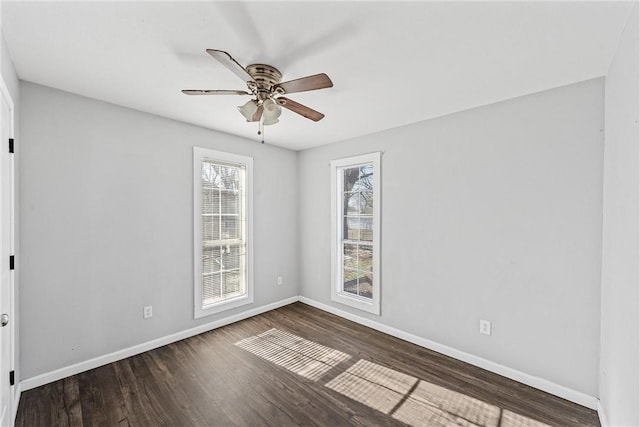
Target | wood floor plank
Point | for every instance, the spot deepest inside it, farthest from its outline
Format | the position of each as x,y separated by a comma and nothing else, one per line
101,399
133,397
213,380
71,401
192,379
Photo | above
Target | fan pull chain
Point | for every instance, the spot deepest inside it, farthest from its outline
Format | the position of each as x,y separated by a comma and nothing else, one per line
261,129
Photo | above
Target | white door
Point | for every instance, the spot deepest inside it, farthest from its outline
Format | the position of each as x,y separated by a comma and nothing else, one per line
6,249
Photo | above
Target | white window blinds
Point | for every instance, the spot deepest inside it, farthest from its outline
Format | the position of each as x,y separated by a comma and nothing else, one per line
222,231
223,240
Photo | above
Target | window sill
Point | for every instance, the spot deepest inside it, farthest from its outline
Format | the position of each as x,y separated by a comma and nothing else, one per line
370,306
221,306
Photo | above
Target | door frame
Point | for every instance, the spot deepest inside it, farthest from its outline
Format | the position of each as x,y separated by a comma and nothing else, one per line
14,391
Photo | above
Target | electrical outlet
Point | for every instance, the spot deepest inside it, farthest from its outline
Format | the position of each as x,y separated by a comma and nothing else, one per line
147,312
279,280
485,327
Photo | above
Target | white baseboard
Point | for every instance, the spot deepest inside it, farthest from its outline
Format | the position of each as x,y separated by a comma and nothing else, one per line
536,382
604,422
530,380
67,371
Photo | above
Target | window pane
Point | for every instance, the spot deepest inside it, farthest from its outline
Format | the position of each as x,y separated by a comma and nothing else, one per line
350,282
366,203
351,228
350,255
211,286
366,228
231,257
365,258
230,227
365,285
231,281
210,259
229,177
230,201
365,178
209,173
358,228
220,187
210,228
351,203
350,176
210,199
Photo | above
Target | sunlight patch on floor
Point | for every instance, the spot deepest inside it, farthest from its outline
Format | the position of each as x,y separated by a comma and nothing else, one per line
408,399
433,405
373,385
420,403
303,357
511,419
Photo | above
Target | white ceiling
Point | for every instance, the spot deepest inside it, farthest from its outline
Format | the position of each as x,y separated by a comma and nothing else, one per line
391,63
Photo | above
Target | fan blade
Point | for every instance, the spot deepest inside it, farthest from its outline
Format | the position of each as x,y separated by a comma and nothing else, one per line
317,81
303,110
257,114
214,92
226,60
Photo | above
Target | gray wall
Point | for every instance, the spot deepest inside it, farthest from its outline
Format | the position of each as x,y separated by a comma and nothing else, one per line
106,205
619,348
491,213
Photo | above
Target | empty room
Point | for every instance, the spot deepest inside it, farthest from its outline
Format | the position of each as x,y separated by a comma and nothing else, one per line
319,213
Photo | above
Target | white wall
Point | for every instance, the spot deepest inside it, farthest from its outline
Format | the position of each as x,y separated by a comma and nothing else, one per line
619,348
491,213
10,79
106,205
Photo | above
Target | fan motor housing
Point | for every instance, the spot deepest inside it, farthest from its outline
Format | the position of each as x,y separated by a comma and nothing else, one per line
264,75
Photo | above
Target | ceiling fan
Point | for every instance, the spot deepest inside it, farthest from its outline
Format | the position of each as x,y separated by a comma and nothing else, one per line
263,82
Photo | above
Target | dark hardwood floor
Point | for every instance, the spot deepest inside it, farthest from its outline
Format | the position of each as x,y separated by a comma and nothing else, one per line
293,366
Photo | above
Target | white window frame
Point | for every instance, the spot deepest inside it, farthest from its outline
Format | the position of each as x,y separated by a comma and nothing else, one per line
199,155
337,176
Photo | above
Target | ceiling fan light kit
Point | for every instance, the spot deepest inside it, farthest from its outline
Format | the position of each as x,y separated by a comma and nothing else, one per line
263,82
271,112
248,109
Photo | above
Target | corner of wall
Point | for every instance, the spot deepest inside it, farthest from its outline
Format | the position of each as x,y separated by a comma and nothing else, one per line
298,260
619,372
604,422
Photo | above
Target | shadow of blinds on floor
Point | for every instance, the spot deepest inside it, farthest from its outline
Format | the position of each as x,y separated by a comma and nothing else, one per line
413,401
303,357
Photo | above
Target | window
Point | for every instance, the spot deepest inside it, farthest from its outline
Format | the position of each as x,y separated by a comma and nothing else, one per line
355,224
222,231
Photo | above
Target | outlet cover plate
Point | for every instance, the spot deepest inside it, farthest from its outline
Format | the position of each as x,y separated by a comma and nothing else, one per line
485,327
147,312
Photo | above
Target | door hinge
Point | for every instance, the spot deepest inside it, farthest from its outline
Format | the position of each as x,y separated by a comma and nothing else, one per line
12,262
12,377
11,145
